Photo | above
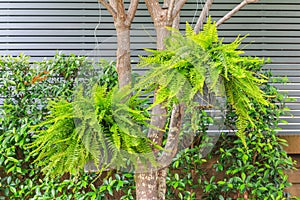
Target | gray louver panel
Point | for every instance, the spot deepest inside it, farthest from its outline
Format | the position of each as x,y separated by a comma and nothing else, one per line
39,28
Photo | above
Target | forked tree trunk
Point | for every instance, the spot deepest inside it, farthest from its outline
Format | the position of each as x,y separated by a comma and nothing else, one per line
152,186
162,17
162,33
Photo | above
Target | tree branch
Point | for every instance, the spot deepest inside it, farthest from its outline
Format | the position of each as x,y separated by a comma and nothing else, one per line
178,7
203,15
154,9
110,9
132,10
173,135
120,9
170,10
176,22
235,10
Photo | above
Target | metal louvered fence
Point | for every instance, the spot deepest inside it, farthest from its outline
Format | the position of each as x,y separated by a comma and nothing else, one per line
40,28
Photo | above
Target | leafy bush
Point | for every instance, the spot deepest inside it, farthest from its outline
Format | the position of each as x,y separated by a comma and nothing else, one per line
26,89
185,174
255,163
257,171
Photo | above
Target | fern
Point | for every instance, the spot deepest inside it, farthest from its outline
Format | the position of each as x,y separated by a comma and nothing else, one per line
193,62
56,144
104,127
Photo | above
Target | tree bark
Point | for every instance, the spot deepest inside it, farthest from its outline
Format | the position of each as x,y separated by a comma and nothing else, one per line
122,22
161,33
171,148
162,185
158,119
176,22
123,55
146,186
162,17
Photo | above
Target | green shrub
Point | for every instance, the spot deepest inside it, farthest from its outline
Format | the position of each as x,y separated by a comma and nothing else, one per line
255,172
254,164
27,88
259,171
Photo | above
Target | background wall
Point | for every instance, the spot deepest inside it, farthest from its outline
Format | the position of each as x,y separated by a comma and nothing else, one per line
40,28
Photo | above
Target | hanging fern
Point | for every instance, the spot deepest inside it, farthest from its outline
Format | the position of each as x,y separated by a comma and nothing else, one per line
105,127
193,62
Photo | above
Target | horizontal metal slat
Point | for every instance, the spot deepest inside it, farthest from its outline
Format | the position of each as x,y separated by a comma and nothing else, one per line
76,39
54,19
260,6
47,5
291,119
288,132
288,73
288,86
50,53
102,46
49,12
223,32
291,126
247,13
283,66
58,32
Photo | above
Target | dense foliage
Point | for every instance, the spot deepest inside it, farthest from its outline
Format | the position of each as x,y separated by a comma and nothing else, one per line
237,172
27,88
38,112
26,94
249,171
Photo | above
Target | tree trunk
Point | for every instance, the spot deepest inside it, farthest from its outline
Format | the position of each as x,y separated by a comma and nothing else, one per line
123,54
161,33
153,185
146,186
159,112
162,185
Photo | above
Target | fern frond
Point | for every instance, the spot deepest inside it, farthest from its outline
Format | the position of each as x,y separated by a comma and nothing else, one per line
189,31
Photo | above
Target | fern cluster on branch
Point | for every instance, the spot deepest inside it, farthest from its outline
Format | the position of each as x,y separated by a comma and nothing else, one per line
101,124
193,64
